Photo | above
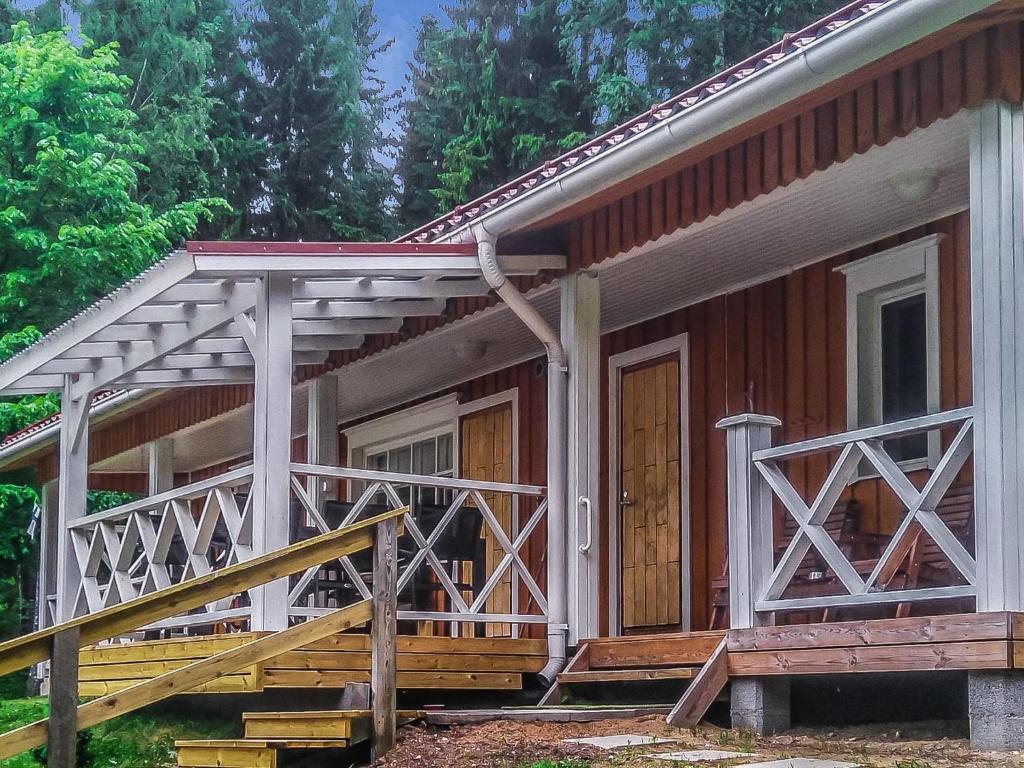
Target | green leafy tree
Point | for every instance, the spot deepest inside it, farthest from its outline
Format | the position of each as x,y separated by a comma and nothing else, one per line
71,228
316,108
166,48
749,26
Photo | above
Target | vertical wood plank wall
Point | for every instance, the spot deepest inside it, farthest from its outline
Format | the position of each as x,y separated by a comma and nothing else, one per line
766,349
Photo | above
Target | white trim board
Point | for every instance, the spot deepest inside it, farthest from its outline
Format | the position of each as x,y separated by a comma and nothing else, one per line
679,345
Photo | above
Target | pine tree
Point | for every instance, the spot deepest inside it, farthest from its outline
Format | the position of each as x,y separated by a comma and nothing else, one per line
319,124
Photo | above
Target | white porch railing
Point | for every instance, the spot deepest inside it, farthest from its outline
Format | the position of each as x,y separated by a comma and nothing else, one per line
758,584
495,600
152,543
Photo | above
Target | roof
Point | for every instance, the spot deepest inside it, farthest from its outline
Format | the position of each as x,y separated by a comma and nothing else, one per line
790,45
190,319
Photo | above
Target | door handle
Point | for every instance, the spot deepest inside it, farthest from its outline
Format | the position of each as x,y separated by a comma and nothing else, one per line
625,501
589,541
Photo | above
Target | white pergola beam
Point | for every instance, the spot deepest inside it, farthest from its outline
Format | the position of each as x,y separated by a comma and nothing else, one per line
345,327
159,278
424,288
187,378
322,310
198,291
326,343
166,342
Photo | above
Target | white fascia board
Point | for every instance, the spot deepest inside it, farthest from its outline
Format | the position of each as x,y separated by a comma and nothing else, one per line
172,270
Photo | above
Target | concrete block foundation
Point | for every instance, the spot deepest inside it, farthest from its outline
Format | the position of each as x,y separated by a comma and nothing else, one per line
995,700
761,704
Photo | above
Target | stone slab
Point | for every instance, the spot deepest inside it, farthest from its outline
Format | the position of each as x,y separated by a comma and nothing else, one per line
698,756
800,762
620,741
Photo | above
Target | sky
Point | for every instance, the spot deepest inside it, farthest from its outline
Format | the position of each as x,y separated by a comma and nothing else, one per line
399,20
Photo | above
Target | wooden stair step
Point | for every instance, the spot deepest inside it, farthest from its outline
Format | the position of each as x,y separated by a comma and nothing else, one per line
627,675
350,724
244,753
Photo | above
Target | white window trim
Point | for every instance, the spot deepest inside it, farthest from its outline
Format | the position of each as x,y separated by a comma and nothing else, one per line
435,417
897,273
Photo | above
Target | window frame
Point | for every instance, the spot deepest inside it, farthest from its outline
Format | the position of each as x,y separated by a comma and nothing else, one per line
871,283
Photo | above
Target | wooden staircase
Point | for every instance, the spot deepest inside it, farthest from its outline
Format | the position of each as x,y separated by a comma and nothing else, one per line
269,733
633,659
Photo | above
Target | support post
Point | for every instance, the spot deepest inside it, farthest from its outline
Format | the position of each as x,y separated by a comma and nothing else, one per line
272,437
49,536
385,625
72,486
322,435
62,731
160,465
581,340
996,699
750,516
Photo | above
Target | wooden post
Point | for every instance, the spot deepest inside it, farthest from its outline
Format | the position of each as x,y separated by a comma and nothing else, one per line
160,465
997,339
322,435
581,339
62,732
750,516
272,437
49,535
385,626
72,484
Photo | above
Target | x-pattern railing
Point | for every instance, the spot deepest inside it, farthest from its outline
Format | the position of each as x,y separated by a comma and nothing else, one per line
854,449
150,544
386,485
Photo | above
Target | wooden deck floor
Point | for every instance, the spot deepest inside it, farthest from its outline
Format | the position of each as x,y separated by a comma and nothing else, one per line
423,662
956,642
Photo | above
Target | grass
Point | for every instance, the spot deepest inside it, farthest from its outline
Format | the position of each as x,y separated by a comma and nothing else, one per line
137,740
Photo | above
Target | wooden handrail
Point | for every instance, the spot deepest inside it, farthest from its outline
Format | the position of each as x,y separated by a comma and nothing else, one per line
188,677
21,652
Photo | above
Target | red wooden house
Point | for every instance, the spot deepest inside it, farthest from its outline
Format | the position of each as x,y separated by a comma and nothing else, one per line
749,361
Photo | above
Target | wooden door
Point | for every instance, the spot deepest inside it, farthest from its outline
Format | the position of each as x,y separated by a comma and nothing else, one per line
649,488
485,445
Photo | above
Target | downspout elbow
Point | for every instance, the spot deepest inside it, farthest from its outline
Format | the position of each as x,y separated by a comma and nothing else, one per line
498,280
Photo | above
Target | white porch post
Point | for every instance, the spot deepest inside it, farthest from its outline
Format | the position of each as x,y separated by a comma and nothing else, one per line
160,465
72,485
49,538
750,516
581,340
997,322
272,413
995,698
322,434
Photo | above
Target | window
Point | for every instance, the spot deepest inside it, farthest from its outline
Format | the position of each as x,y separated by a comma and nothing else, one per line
892,343
429,456
419,440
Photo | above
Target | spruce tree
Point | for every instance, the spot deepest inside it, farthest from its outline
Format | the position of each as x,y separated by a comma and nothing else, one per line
318,122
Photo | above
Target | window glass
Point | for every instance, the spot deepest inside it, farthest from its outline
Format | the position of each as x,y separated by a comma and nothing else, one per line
429,456
905,371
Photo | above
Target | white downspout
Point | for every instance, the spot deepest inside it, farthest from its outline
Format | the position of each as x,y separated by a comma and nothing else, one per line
558,603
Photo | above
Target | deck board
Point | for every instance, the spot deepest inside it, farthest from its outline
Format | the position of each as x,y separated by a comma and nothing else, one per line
424,662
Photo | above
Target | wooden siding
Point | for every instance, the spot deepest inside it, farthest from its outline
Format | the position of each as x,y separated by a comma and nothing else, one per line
871,108
780,348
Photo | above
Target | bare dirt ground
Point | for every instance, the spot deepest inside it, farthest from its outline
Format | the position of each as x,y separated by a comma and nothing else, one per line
507,744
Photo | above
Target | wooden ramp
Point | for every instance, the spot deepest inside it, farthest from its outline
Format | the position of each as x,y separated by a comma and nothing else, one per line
424,662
